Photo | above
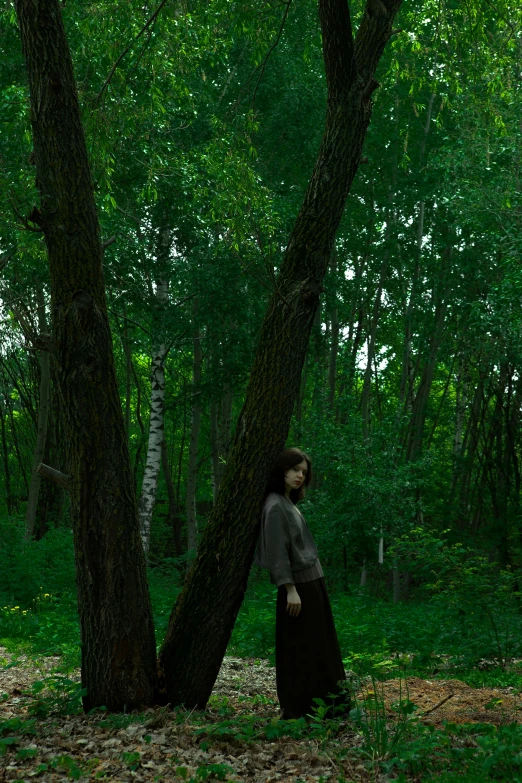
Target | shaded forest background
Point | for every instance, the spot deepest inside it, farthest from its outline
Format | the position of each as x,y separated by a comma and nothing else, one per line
202,132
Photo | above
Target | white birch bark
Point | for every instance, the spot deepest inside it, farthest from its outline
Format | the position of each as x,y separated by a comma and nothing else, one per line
156,432
43,415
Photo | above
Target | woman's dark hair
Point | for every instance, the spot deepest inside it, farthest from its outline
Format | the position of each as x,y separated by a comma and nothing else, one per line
289,458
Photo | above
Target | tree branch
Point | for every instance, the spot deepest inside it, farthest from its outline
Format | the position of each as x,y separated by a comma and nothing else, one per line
108,242
288,3
145,27
54,475
125,318
373,34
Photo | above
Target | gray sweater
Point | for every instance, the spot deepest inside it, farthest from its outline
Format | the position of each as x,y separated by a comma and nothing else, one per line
285,541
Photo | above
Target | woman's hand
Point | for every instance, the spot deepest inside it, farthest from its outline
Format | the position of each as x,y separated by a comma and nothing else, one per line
293,602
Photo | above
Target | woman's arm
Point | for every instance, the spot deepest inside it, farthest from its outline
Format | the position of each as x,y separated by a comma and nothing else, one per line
293,601
275,545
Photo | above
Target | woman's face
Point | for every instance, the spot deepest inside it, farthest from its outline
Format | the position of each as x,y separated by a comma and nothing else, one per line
294,477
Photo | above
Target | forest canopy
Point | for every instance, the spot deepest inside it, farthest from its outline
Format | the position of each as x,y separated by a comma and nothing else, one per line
202,131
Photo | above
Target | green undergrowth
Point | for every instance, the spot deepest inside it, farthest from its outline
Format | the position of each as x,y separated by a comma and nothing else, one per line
473,752
429,637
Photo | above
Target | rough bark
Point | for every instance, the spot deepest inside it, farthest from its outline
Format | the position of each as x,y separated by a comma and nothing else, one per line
43,415
118,650
200,626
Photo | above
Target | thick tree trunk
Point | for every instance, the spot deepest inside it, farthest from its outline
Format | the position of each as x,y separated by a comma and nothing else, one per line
43,415
200,626
118,649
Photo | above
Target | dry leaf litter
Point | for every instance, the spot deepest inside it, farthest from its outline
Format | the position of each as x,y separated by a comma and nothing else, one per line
170,747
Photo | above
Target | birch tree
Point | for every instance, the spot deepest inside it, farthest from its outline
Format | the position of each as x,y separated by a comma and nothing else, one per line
156,428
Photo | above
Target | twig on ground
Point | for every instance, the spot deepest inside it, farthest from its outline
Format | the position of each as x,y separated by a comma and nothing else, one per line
436,707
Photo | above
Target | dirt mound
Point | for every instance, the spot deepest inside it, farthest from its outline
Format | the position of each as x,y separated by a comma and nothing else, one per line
453,700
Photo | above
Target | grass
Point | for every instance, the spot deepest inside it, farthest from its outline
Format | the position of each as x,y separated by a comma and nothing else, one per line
428,637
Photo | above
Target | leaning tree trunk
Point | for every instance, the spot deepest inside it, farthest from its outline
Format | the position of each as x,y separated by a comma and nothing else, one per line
118,650
200,626
43,415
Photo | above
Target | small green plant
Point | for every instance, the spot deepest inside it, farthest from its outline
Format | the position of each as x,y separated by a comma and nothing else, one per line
131,759
12,731
5,742
381,737
26,753
19,726
121,720
56,694
68,765
212,772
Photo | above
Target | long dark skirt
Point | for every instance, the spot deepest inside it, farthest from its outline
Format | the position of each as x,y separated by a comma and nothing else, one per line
308,657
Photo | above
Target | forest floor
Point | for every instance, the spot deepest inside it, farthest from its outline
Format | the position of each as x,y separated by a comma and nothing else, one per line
235,739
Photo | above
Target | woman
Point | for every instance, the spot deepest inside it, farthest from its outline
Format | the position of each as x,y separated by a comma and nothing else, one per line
308,658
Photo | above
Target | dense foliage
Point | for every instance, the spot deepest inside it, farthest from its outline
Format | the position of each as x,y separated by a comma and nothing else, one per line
201,145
